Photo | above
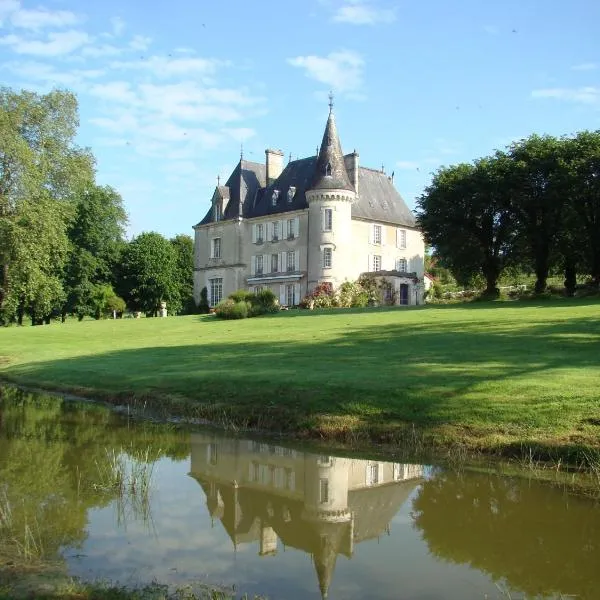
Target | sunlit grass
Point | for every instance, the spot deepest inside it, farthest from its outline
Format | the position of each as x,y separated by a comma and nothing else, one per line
489,375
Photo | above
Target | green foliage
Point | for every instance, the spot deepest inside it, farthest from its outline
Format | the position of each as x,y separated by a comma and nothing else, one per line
96,239
149,274
203,306
41,169
184,252
534,207
242,296
230,309
264,302
259,303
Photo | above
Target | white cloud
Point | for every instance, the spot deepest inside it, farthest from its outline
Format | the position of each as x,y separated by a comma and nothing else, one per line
408,165
588,66
582,95
7,7
240,134
46,73
116,91
56,43
98,51
166,67
446,147
361,12
140,42
342,70
42,18
491,29
118,25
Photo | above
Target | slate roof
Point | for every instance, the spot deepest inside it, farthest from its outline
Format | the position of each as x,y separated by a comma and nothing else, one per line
249,196
330,172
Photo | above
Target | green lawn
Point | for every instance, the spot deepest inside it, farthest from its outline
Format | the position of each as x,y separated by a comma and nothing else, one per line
490,375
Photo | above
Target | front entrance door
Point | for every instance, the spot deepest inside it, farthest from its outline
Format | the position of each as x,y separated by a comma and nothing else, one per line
404,293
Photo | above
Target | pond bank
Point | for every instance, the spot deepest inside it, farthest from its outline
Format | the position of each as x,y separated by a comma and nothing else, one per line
515,379
346,433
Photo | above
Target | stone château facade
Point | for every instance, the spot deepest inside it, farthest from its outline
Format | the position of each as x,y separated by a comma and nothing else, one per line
318,219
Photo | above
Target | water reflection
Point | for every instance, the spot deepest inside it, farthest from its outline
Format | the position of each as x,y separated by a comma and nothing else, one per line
274,520
324,505
538,540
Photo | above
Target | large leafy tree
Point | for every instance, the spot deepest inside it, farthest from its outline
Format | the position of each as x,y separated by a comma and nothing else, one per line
465,213
96,236
41,169
149,274
539,189
184,251
583,210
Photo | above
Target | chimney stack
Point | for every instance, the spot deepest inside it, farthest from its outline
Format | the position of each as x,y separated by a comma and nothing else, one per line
274,163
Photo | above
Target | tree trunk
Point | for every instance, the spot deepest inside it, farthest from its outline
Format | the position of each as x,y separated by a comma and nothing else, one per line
541,273
570,276
491,274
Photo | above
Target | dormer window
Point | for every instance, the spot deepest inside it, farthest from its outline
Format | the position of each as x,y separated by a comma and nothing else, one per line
218,211
274,197
328,170
291,193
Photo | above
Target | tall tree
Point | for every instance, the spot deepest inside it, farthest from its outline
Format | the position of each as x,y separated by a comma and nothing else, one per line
184,251
149,274
583,152
465,214
539,189
96,236
40,170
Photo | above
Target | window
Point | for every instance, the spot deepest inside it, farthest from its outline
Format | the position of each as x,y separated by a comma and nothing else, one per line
215,251
290,480
260,233
401,265
327,258
275,197
258,288
212,455
377,234
275,231
290,294
291,193
323,491
259,264
376,262
401,238
328,219
218,211
372,474
216,290
291,261
274,263
291,230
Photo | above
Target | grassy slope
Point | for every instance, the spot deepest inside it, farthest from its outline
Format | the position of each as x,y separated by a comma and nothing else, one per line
489,375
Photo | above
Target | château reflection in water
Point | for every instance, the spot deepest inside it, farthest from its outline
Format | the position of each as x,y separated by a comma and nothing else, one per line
269,495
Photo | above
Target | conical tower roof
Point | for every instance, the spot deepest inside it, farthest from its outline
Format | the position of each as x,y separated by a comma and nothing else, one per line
330,172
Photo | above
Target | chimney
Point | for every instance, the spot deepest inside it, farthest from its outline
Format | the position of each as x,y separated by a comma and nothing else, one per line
274,164
351,164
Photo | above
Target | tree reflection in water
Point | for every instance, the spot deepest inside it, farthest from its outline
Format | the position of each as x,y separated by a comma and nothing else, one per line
537,539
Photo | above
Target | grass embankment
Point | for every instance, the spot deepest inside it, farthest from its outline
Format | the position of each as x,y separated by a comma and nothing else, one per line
488,376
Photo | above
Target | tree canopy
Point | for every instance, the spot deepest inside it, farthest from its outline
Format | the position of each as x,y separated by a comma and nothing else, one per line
535,206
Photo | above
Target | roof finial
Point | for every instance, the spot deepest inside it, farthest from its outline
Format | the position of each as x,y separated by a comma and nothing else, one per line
242,151
218,180
330,102
290,158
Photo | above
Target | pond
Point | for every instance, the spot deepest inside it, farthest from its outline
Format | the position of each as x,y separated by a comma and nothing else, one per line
134,502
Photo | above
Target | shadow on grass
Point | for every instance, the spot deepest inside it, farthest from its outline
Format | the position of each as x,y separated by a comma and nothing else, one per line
479,374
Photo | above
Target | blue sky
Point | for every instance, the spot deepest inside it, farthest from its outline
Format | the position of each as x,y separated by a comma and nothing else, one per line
169,90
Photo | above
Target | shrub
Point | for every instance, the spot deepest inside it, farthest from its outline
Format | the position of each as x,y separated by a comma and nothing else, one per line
264,302
203,307
229,309
242,296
